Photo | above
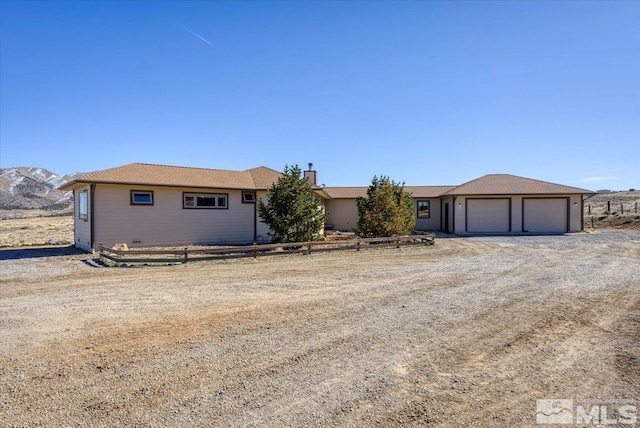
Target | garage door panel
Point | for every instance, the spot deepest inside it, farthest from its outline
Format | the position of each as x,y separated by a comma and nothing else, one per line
488,215
544,215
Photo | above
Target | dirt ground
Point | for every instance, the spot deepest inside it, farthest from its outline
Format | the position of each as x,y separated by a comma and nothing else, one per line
20,228
469,332
623,212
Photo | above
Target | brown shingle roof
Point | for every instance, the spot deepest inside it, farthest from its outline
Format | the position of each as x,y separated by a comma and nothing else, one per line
427,191
345,192
162,175
506,184
417,191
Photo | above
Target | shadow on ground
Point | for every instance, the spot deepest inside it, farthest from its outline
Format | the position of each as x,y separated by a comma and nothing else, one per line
38,252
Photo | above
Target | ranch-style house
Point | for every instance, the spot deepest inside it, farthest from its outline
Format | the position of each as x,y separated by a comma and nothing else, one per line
151,205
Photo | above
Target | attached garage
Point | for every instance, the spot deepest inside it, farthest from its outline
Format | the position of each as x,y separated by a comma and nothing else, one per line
488,215
545,215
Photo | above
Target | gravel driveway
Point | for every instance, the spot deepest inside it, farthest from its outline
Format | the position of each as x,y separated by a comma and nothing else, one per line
469,332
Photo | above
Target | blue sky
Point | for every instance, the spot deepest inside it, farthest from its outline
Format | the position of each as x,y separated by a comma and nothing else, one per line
424,92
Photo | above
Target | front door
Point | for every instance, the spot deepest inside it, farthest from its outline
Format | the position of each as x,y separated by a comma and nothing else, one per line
446,217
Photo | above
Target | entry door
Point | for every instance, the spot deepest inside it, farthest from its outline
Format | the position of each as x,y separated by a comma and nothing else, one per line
446,217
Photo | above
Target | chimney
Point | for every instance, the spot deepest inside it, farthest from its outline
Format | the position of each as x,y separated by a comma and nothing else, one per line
311,175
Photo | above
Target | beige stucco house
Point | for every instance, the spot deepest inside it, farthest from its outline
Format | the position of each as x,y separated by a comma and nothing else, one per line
492,204
148,205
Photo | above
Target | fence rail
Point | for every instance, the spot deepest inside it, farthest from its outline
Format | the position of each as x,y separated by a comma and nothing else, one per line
185,255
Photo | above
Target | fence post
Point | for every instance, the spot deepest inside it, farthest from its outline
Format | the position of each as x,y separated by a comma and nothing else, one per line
592,226
186,255
358,245
255,250
609,207
398,243
621,208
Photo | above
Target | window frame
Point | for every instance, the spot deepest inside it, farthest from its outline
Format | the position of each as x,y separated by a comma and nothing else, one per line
83,202
253,197
195,195
419,215
132,200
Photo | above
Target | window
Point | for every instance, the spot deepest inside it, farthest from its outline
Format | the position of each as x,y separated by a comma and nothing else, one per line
204,200
248,198
141,197
83,205
424,209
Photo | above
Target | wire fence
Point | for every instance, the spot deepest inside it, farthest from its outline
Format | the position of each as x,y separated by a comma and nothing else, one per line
612,208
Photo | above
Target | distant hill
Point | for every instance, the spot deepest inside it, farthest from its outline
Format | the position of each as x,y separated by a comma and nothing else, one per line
33,188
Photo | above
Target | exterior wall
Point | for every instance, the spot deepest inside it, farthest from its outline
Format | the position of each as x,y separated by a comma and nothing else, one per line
574,211
166,222
342,214
82,228
433,222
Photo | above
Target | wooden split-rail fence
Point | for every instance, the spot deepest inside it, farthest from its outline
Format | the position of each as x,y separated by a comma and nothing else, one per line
184,255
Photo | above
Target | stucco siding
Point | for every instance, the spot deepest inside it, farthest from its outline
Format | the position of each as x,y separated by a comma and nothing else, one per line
575,213
433,222
166,222
82,228
342,214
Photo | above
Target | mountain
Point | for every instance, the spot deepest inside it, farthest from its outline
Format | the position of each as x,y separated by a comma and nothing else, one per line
33,188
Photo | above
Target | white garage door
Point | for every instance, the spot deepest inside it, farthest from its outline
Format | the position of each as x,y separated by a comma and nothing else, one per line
488,215
544,215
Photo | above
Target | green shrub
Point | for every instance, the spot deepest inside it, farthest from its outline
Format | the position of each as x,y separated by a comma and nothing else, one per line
293,212
387,210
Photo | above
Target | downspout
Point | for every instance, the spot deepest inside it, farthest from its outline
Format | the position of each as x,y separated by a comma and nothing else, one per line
92,188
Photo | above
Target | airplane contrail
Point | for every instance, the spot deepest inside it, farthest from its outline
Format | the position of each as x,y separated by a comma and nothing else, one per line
197,35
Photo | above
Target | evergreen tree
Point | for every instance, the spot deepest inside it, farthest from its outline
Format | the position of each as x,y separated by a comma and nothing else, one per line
387,210
293,212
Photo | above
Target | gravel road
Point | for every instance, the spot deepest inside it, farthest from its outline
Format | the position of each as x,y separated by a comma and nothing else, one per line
469,332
